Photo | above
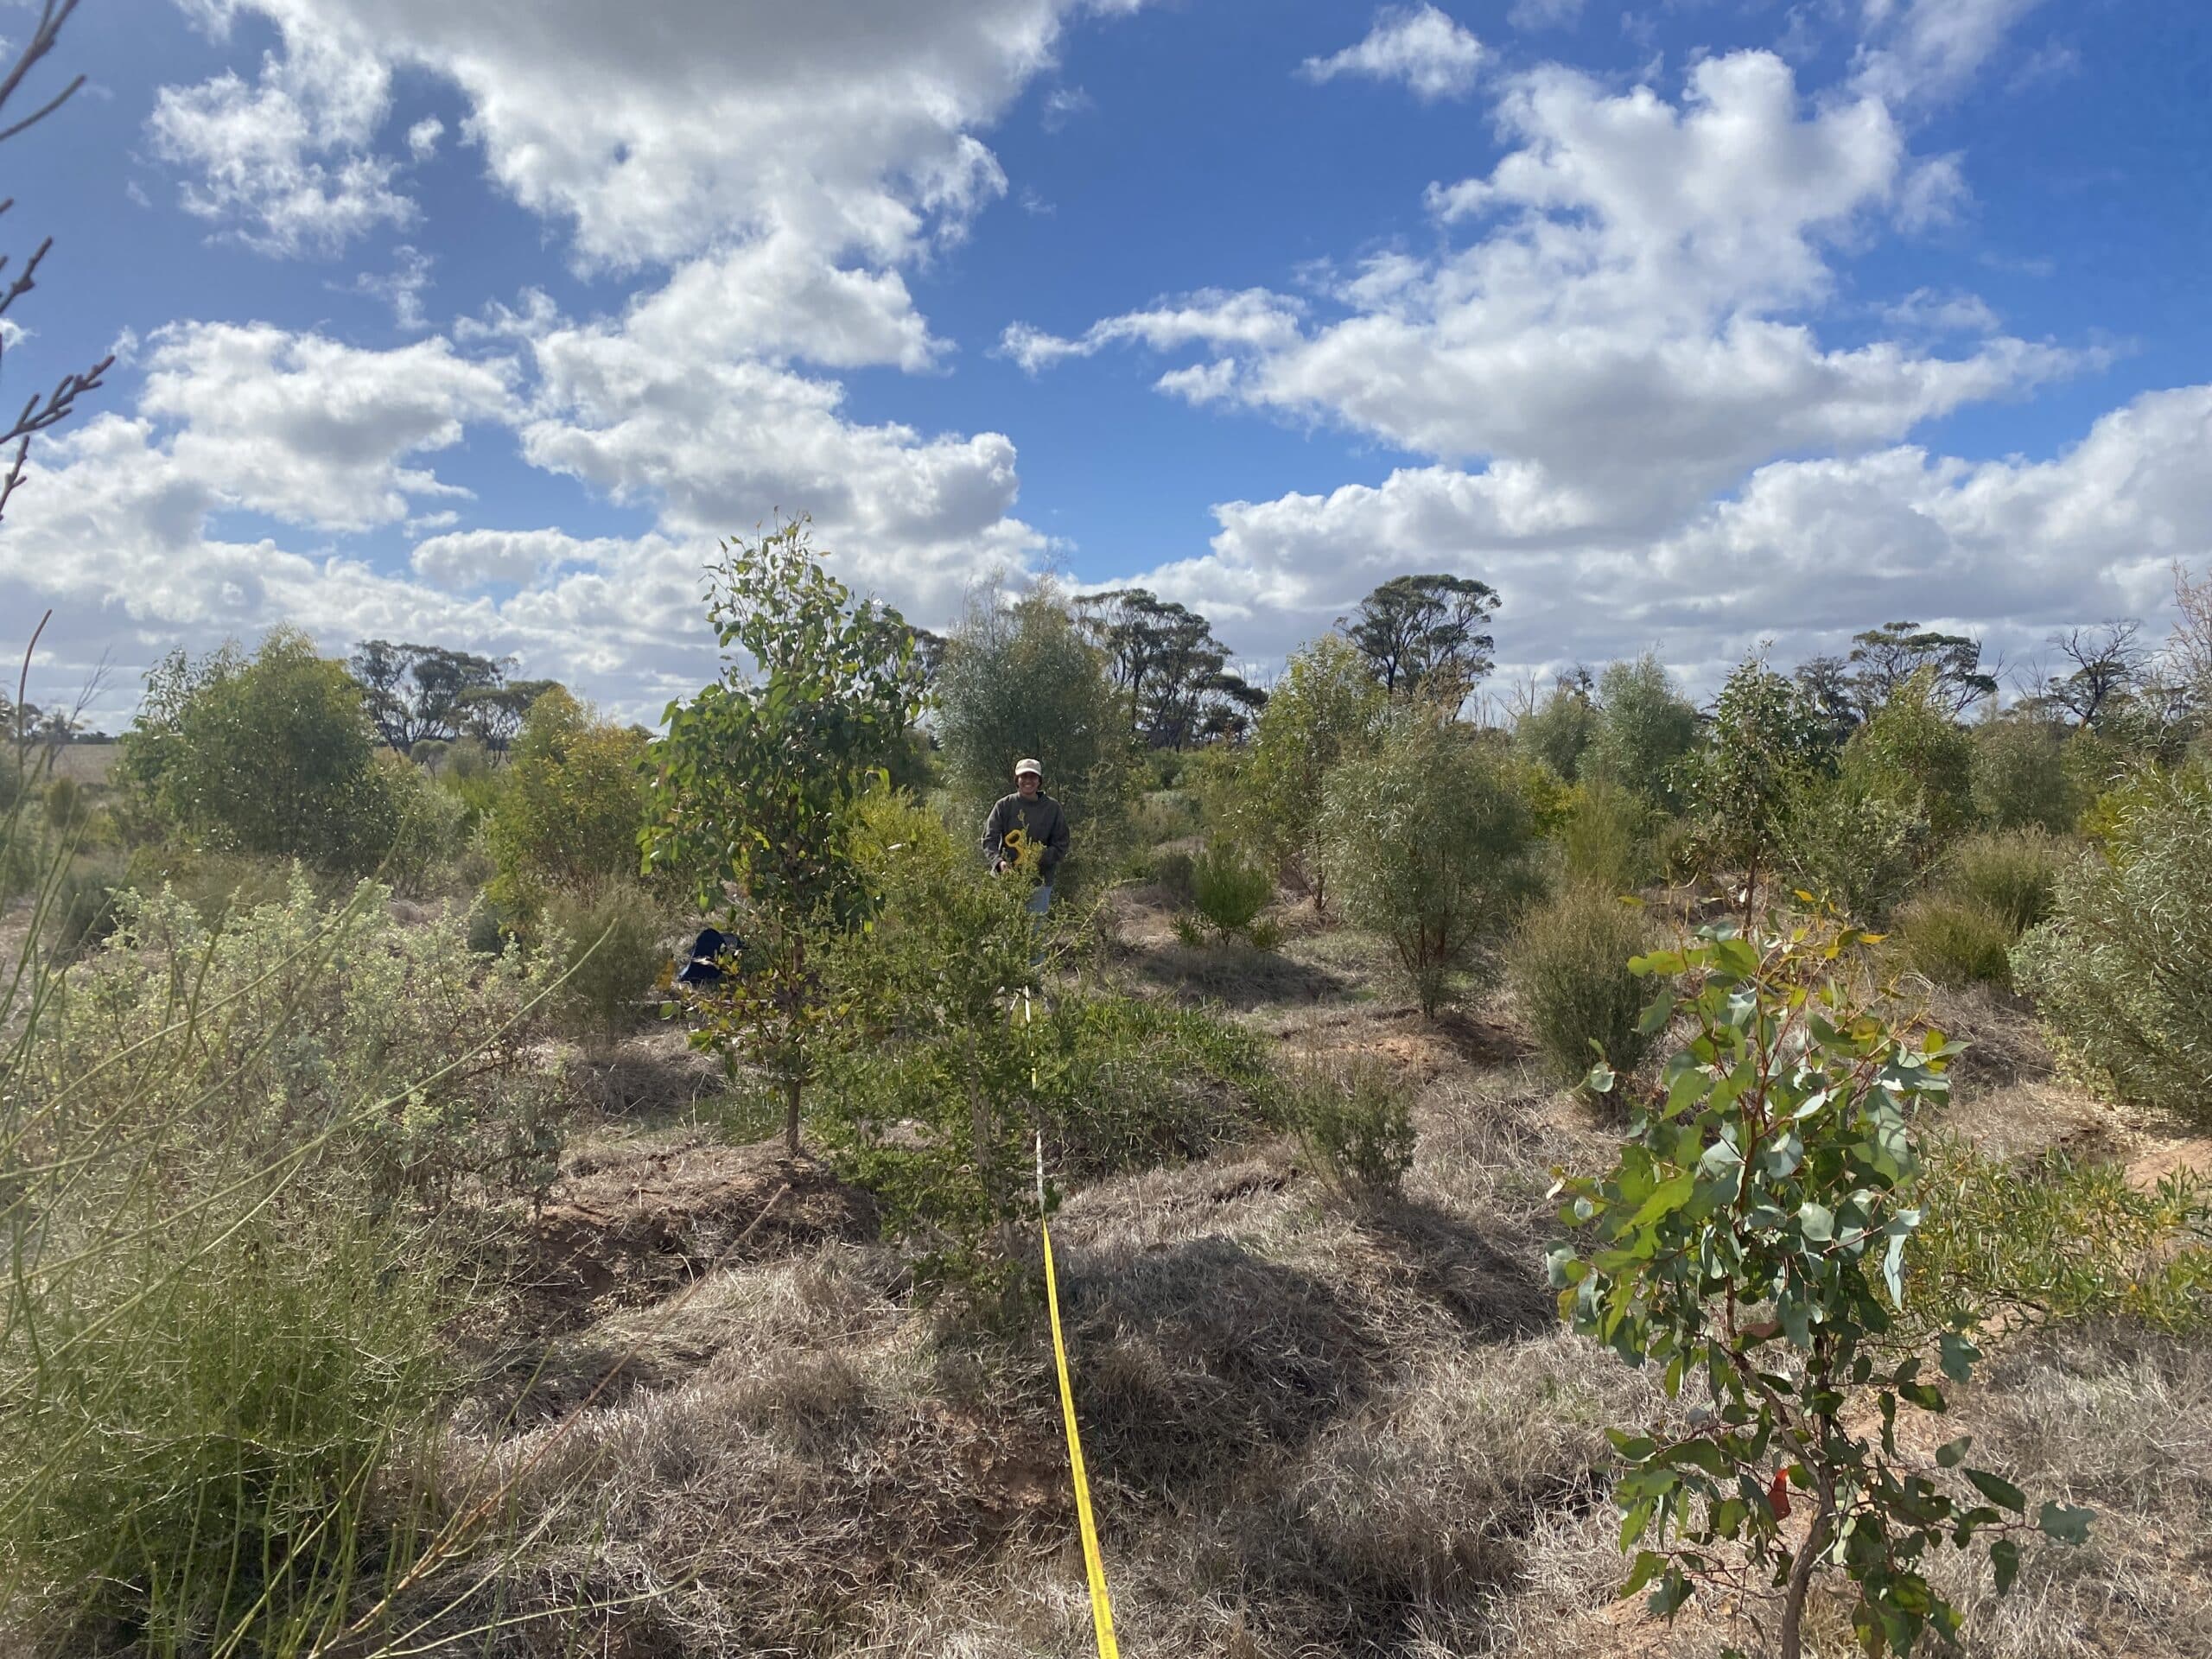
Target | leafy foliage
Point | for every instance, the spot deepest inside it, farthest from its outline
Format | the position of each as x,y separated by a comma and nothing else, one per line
1754,1236
567,817
1607,838
2057,1238
1569,966
1952,941
609,940
1427,839
1645,729
1326,707
1859,851
1229,889
1912,752
2122,971
1020,679
2018,775
1558,729
271,755
1768,746
758,779
1354,1123
1423,636
393,1062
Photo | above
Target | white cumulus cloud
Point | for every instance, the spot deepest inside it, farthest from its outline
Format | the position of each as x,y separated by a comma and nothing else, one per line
1421,46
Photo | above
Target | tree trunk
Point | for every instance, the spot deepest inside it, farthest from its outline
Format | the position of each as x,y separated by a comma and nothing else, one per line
791,1116
1801,1571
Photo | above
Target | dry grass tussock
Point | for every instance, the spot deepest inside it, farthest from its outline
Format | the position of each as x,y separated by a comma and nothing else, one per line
1315,1425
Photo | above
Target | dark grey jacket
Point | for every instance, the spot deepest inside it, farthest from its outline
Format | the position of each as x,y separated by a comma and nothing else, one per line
1040,820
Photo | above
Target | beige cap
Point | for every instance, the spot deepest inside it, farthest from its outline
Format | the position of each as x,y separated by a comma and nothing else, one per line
1021,767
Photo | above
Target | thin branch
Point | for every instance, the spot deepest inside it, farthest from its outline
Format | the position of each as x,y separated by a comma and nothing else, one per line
52,16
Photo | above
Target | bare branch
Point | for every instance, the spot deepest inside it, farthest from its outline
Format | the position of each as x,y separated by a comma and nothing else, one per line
53,14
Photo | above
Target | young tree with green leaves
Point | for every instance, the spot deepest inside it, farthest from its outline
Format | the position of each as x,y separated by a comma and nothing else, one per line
756,780
1427,836
1557,730
1644,727
1753,1236
1326,708
1766,748
1913,752
1019,678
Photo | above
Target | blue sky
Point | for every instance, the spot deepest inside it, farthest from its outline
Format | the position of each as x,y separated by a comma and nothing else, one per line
1687,326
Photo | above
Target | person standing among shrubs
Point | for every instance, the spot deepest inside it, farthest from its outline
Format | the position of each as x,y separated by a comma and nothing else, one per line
1027,819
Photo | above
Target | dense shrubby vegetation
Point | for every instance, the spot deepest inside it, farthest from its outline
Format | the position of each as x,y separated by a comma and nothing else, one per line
370,1080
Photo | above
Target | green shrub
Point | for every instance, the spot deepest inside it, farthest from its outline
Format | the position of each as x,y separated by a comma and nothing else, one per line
1608,838
82,912
271,756
1645,730
1427,839
199,1435
391,1061
1354,1123
1177,872
1913,752
2055,1238
2122,971
1954,941
1568,964
2012,874
1165,814
610,942
1227,888
1326,706
2019,779
1860,852
572,805
430,832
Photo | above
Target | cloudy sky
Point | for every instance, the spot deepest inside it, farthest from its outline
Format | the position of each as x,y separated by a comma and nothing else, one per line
477,321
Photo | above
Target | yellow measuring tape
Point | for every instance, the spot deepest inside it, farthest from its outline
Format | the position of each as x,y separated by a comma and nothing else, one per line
1101,1608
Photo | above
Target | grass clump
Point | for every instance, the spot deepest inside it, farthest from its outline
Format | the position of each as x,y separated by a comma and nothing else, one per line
199,1453
2013,875
1354,1123
1952,941
1229,889
1568,964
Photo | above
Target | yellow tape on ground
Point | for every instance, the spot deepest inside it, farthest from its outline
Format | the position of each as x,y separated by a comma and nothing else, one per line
1102,1609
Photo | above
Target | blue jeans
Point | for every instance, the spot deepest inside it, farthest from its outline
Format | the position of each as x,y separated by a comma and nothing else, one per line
1041,900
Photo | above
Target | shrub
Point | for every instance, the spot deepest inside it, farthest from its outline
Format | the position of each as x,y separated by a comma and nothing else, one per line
568,817
1354,1123
1326,707
2013,875
609,942
1768,749
429,831
1954,941
389,1061
1177,873
1428,839
83,912
1568,965
271,756
1608,836
953,1062
1165,814
1857,852
2122,971
2019,777
1229,889
2058,1238
1019,679
1644,729
1913,752
200,1433
1557,730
